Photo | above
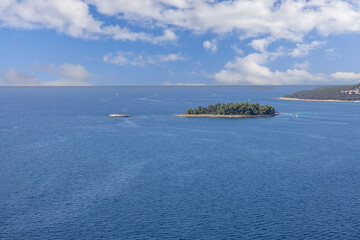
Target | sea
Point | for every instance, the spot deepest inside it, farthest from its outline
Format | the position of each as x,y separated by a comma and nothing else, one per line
67,171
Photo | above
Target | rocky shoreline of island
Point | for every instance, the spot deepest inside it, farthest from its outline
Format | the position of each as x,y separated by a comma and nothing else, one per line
316,100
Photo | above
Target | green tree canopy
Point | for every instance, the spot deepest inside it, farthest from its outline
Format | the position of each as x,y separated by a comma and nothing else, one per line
241,108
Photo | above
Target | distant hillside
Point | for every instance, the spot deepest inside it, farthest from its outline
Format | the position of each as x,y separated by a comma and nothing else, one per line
344,93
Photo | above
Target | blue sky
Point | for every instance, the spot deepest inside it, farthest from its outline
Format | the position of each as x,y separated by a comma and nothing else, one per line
179,42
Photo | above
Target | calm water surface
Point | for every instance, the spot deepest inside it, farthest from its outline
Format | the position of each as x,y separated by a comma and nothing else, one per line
69,172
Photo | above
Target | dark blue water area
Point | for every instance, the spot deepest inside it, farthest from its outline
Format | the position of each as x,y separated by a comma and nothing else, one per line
69,172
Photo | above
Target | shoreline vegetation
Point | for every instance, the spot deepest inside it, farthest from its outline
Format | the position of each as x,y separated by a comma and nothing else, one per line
329,94
230,110
119,115
316,100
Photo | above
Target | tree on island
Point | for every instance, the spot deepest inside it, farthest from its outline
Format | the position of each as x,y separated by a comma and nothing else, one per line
242,108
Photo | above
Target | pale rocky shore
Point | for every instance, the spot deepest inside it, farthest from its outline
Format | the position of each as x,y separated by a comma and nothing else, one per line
314,100
119,115
221,116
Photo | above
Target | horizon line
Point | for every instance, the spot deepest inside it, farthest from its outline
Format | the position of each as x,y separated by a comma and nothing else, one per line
182,85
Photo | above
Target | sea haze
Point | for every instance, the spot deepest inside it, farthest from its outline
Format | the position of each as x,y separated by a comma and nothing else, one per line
69,172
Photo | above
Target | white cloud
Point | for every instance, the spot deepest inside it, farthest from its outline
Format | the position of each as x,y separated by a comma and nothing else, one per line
237,50
304,49
330,54
129,58
184,84
66,74
260,44
71,17
76,72
261,21
303,66
170,57
13,78
252,69
201,73
168,35
330,51
48,68
288,19
65,70
346,76
123,58
211,45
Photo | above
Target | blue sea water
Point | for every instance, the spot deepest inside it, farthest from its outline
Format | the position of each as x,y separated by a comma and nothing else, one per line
69,172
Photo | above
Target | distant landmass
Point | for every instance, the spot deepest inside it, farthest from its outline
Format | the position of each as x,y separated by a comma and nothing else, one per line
231,110
338,93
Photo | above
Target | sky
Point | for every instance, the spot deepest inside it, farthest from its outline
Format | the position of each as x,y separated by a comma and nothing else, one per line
179,42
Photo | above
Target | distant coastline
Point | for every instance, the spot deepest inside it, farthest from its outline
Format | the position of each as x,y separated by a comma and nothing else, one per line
221,116
347,93
316,100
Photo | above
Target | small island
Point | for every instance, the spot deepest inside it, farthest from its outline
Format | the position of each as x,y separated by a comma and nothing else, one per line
231,110
119,115
328,94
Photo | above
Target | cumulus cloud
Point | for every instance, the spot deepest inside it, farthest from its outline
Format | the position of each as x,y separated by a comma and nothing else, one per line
304,49
346,75
252,69
75,72
289,19
237,50
260,44
129,58
168,35
66,74
71,17
211,45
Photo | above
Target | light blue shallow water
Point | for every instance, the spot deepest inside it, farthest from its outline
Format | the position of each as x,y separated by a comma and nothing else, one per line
69,172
